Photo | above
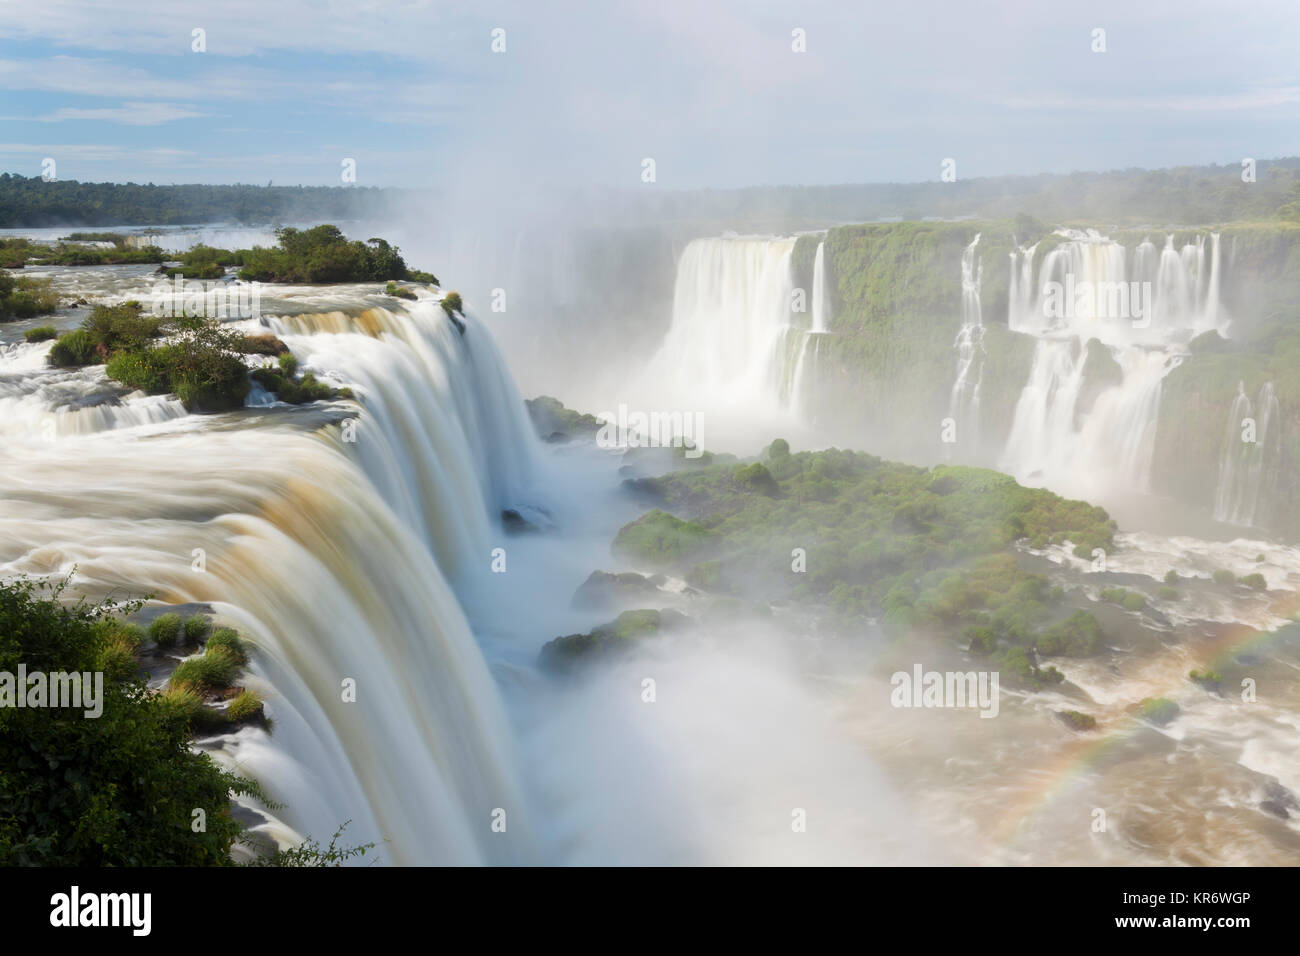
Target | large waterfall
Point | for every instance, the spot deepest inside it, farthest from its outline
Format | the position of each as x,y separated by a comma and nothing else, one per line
1250,458
1089,409
733,348
339,547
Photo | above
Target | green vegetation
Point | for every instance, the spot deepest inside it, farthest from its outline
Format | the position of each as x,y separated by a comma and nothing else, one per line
921,549
228,640
30,201
1254,580
42,333
1224,576
196,628
1079,635
398,291
200,364
289,387
116,790
553,421
321,255
1076,720
1208,678
619,634
166,629
1158,710
1166,593
15,252
1129,600
24,297
216,669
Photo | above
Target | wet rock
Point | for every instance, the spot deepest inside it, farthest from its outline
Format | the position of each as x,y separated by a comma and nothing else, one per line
605,590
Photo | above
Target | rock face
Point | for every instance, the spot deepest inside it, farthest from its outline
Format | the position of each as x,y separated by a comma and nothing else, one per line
618,635
555,423
606,591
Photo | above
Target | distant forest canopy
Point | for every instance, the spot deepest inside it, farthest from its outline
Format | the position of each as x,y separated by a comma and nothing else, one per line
1184,195
30,202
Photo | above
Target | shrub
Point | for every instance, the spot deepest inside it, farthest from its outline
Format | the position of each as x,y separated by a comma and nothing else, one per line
1222,576
229,641
288,364
42,333
1166,593
73,348
247,706
1254,580
397,291
1133,601
217,668
1171,577
197,628
166,629
118,790
1158,710
1079,635
1206,678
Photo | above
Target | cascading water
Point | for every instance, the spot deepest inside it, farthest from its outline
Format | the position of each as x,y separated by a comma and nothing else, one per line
337,557
1251,453
964,401
1142,308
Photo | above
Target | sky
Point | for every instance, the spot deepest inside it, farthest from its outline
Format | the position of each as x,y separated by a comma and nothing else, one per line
716,93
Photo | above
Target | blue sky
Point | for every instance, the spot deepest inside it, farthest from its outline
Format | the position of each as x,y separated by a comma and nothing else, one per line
713,92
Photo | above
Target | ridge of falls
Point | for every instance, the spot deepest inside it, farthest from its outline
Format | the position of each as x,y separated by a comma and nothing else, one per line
1250,459
964,401
1142,307
734,346
340,557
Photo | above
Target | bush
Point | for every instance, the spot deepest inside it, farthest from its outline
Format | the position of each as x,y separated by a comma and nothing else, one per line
166,629
1222,576
228,640
42,333
288,364
1171,577
1079,635
25,297
1166,593
247,706
397,291
1254,580
73,348
118,790
196,628
217,668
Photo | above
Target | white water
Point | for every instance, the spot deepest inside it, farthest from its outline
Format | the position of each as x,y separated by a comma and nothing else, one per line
335,557
731,352
964,401
1054,439
1248,469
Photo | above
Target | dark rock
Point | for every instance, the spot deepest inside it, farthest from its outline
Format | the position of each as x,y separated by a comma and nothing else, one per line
605,590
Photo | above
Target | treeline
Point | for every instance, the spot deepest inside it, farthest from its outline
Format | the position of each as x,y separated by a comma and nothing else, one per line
30,202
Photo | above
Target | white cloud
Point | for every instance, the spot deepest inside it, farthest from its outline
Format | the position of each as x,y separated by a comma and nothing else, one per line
129,114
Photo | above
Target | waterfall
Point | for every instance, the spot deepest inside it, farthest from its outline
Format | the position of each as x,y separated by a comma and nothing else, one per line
964,401
821,307
340,559
1141,307
1248,469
